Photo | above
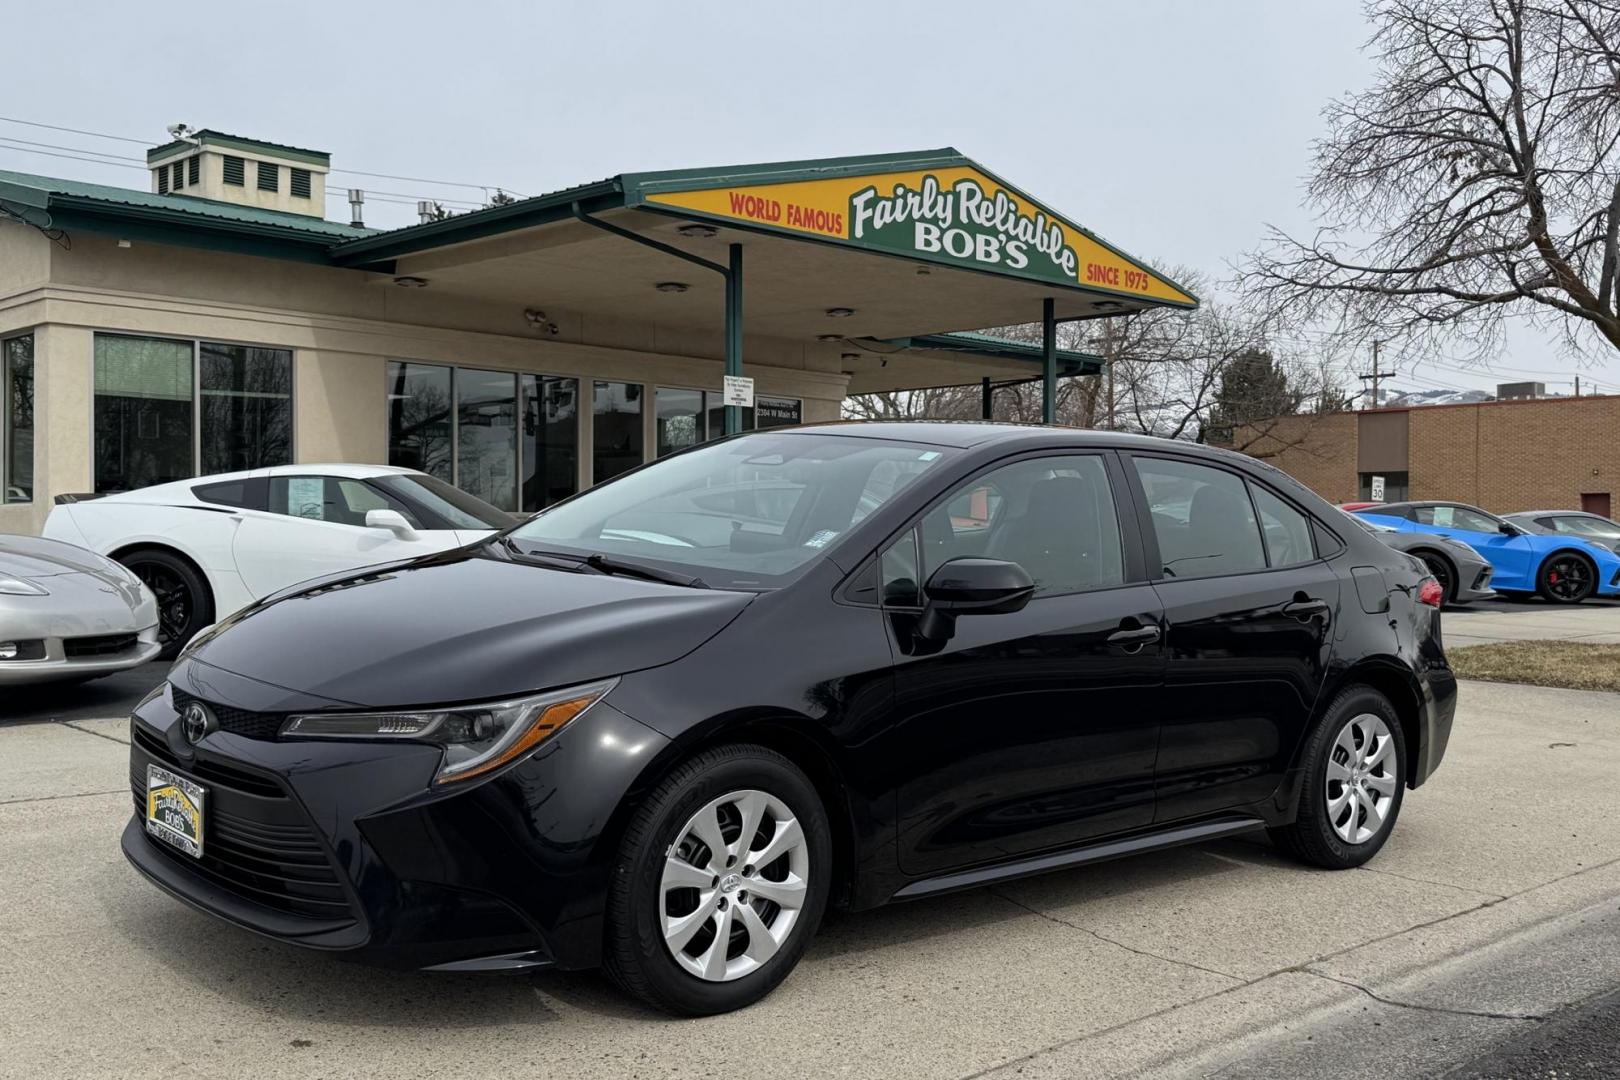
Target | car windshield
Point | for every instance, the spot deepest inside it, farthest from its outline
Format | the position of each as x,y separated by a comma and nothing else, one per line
749,512
461,510
1596,528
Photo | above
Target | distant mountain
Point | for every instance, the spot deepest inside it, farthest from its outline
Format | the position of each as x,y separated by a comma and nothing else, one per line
1391,398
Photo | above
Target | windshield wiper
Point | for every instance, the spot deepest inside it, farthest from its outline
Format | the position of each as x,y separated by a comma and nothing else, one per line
541,558
607,564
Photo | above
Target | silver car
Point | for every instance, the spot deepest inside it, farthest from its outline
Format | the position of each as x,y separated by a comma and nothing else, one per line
1579,523
69,614
1461,571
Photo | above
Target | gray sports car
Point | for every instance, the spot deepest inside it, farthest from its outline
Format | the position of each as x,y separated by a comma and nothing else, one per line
67,613
1461,571
1603,530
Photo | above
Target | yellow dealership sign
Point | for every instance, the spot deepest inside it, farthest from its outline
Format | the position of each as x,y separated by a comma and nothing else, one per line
957,215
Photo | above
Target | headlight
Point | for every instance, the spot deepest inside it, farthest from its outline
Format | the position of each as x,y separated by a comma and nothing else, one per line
16,586
476,738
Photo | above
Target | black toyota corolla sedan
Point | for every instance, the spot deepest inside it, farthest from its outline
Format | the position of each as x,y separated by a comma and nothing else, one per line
663,725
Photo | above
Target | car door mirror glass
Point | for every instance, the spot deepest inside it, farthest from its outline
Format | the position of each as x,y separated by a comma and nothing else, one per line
971,586
390,521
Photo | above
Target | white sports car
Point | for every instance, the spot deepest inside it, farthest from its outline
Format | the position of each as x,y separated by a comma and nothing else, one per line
213,544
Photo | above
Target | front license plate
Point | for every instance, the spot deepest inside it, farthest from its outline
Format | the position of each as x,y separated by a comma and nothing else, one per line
174,810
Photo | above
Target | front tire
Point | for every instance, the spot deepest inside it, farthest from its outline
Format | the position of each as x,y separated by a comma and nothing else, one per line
721,880
185,603
1441,568
1567,578
1355,777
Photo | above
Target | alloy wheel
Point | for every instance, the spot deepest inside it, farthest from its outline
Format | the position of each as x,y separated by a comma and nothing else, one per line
173,599
734,883
1569,578
1361,782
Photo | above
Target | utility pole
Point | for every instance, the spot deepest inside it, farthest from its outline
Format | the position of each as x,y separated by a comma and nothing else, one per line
1577,386
1375,376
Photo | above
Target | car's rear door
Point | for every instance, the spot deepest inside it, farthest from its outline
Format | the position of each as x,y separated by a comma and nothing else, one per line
315,525
1037,729
1249,608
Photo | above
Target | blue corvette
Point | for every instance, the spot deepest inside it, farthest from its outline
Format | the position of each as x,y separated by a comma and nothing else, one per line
1564,569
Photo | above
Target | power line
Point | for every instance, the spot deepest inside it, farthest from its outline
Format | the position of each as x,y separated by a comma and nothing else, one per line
347,172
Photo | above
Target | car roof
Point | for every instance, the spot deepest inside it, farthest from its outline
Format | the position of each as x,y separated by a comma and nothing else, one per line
182,489
1556,513
965,434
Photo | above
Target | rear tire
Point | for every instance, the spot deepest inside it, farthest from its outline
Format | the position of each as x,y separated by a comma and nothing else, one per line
185,602
668,880
1355,778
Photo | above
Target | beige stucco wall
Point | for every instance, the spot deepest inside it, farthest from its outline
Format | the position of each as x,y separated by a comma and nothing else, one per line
343,327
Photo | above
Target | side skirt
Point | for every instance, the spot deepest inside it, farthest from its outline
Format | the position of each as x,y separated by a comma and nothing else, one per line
1063,860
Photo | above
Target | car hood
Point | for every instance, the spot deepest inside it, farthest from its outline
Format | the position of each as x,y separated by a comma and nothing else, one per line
461,627
32,557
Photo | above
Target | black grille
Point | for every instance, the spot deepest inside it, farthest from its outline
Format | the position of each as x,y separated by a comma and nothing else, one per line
253,725
256,842
106,645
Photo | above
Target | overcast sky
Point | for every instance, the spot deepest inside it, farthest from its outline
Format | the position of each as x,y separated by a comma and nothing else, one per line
1175,130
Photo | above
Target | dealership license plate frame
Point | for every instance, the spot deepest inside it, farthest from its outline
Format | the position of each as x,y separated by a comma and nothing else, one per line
175,809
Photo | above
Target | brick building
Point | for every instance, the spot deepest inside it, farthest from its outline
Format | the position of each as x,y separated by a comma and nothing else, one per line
1541,453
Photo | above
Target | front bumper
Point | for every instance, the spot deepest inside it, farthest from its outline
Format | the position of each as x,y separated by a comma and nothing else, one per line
345,847
84,662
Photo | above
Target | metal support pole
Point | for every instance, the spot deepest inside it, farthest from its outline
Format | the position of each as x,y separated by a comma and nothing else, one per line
1048,363
987,399
734,333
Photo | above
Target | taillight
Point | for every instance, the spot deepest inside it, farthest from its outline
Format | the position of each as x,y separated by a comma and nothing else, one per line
1430,592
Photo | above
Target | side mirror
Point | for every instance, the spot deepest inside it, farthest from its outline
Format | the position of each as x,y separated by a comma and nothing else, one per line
1510,529
390,521
970,586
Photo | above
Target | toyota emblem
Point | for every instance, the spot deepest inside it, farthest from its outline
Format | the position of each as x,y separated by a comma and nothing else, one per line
196,721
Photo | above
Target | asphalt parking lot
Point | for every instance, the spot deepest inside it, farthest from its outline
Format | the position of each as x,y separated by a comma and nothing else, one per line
1496,903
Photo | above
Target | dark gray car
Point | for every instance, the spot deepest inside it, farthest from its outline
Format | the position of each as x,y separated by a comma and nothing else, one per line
1460,570
1579,523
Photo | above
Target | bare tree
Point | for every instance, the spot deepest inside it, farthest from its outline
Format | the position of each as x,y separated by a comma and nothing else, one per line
1475,180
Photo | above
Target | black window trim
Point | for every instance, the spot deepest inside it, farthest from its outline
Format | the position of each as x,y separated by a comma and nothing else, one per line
1134,562
1150,539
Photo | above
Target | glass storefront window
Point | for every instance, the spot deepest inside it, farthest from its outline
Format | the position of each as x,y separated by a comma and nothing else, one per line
17,421
617,443
143,411
246,399
419,418
487,436
680,418
550,440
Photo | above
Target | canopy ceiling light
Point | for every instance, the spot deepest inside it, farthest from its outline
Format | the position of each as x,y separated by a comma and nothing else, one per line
672,286
703,231
829,337
839,312
411,282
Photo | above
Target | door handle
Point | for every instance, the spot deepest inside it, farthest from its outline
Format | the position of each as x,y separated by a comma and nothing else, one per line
1308,608
1135,637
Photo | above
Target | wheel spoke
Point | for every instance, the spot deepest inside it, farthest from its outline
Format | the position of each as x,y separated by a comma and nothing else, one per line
788,894
1386,746
1336,771
1374,808
680,874
751,809
788,836
761,945
1384,785
706,827
679,931
714,959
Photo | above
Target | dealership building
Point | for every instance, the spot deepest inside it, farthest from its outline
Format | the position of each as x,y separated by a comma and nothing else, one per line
217,321
1503,455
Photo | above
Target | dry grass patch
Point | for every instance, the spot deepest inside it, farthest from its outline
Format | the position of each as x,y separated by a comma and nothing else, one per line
1571,665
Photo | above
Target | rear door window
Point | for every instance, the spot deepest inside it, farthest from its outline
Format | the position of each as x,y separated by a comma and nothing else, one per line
1202,519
